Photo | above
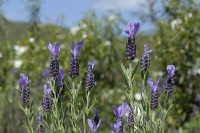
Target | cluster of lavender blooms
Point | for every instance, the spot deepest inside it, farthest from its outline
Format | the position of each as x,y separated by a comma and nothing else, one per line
58,75
54,89
118,126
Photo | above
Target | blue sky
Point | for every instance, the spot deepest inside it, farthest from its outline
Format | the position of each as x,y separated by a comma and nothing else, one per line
73,10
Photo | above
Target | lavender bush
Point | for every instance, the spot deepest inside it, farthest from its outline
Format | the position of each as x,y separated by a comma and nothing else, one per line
147,115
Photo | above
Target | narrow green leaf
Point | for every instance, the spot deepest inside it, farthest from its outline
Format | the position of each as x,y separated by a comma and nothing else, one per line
146,77
22,108
123,69
126,83
134,70
142,75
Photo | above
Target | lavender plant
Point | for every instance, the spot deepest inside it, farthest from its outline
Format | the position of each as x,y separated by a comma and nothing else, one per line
140,116
150,105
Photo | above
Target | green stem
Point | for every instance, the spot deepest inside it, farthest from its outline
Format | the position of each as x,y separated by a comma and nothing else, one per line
73,110
130,66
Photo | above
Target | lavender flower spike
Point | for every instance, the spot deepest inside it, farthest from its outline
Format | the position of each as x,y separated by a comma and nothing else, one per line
41,128
130,117
25,91
89,79
130,44
117,127
120,110
76,50
94,125
132,29
74,62
46,101
54,50
170,79
154,92
54,64
145,58
60,78
60,87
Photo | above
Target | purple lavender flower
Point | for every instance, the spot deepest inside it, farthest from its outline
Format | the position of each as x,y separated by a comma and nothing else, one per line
95,123
171,70
194,109
91,65
54,50
40,118
46,101
41,128
130,117
170,79
74,62
60,88
76,50
198,97
130,44
14,71
154,92
25,91
117,127
89,80
132,29
54,64
145,58
45,73
61,78
119,112
24,80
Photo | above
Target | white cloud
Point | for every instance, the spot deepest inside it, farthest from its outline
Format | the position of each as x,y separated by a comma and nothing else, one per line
117,4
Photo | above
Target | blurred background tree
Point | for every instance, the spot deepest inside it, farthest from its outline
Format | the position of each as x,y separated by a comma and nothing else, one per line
34,7
2,17
175,40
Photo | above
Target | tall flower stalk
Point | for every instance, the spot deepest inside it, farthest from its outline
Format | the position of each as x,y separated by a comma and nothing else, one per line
89,84
24,97
73,73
